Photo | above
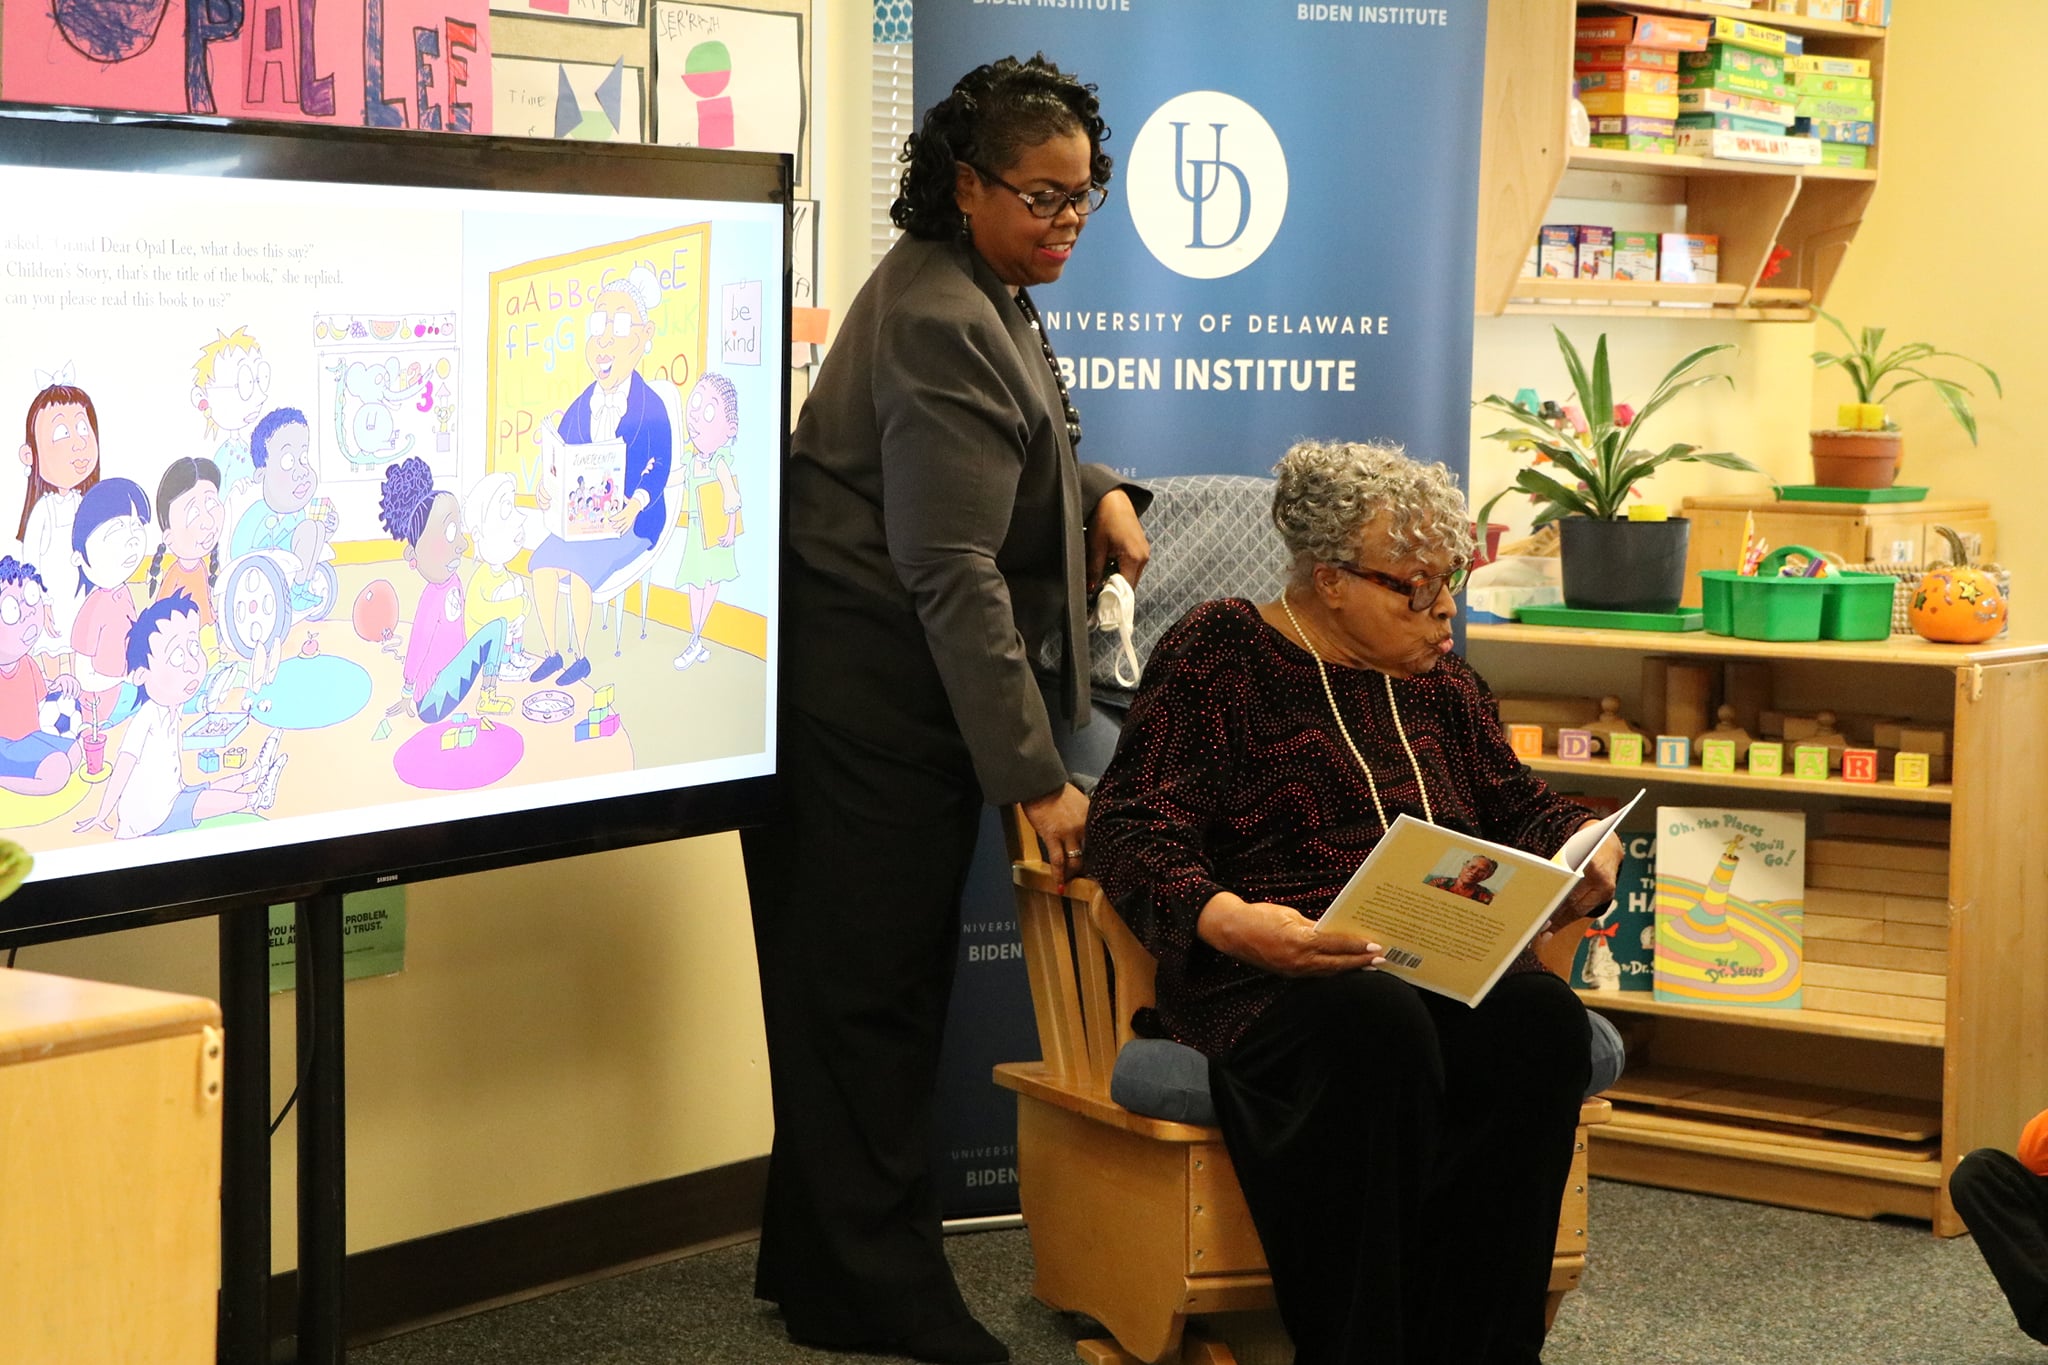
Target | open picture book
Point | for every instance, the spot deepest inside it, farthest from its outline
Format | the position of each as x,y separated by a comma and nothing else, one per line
1452,910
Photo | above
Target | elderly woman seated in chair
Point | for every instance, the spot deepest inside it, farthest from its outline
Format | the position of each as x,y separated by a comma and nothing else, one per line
1403,1155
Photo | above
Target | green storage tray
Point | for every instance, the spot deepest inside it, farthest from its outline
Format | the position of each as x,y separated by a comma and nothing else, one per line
1757,608
1813,492
1684,619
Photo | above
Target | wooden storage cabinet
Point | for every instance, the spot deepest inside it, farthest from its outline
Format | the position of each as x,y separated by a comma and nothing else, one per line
1858,532
1979,1067
109,1173
1526,162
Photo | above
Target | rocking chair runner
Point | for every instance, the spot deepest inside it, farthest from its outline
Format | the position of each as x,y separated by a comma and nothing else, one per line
1138,1222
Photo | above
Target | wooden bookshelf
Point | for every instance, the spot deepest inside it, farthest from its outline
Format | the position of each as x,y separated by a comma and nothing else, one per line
1526,164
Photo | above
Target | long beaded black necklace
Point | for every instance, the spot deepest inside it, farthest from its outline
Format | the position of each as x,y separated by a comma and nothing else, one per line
1030,311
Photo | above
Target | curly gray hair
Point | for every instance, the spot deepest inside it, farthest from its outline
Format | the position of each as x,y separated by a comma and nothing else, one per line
1330,491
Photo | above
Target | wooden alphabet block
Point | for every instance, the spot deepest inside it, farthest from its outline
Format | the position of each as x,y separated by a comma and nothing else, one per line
1718,755
1575,744
1859,765
1909,770
1625,751
1767,758
1526,741
1674,751
1810,762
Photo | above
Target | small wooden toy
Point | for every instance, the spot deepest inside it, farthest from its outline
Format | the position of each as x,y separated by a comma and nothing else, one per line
1625,749
1909,770
1674,751
1575,744
1767,758
1810,762
1859,765
1526,741
1610,723
1717,755
1724,728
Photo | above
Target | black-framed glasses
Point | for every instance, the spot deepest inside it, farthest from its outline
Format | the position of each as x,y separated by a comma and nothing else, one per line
1049,203
1421,590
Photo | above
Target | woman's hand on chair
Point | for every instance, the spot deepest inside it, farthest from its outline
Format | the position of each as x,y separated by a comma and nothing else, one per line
1061,818
1280,939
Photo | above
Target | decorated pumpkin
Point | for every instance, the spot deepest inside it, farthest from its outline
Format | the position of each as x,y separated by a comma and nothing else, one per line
1956,604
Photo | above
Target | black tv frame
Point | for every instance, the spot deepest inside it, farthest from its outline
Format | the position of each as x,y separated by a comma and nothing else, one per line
97,139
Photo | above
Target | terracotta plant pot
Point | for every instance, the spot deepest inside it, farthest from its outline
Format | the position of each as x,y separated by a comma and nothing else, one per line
1857,459
1486,542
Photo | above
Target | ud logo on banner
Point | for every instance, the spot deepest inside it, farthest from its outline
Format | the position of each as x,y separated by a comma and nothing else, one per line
1208,184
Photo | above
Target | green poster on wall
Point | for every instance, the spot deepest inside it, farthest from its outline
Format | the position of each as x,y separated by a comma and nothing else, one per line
372,937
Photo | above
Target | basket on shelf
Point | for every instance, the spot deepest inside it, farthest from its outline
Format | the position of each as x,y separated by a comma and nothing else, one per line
1907,575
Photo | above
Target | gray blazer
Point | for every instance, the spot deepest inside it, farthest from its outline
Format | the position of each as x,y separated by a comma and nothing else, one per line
936,524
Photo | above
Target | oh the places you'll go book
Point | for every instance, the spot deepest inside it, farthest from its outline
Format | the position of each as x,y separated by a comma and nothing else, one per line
1731,888
1452,910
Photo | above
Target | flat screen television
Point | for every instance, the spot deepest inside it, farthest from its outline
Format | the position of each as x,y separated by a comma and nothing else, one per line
388,505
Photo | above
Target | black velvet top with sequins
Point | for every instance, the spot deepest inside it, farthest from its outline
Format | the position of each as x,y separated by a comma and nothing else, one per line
1231,775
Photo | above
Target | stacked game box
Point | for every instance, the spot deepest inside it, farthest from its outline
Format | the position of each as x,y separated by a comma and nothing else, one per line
1735,98
1835,103
1627,71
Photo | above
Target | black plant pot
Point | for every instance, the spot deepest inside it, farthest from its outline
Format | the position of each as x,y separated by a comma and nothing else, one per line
1623,565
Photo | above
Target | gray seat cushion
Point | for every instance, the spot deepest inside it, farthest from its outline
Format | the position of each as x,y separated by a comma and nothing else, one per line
1162,1079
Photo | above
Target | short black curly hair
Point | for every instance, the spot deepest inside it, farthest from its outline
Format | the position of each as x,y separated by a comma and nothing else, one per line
995,113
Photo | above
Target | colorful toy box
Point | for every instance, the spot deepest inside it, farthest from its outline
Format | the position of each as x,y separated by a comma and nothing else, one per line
1689,258
1737,60
1640,106
1635,256
1643,30
1828,66
1624,58
1557,252
1596,252
1747,33
1633,80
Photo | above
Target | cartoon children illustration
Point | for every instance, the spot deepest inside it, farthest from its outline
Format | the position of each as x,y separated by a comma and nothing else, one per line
108,542
441,664
190,512
498,531
147,793
230,384
32,762
281,445
62,454
618,405
712,417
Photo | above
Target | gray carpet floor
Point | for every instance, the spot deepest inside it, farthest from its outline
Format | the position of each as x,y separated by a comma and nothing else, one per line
1673,1279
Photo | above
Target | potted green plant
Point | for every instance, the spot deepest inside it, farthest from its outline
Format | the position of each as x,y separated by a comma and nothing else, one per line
1866,448
1609,562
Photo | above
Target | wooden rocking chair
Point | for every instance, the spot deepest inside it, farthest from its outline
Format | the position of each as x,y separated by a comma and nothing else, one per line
1138,1222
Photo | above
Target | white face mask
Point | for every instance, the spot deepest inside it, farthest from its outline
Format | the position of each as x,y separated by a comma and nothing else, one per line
1115,611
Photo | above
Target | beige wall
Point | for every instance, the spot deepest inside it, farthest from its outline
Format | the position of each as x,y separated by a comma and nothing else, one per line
1950,255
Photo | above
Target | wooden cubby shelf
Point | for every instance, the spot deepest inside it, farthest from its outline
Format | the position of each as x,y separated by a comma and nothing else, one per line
1527,164
1960,1072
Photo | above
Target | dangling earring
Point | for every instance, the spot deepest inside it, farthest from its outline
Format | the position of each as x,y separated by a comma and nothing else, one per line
966,226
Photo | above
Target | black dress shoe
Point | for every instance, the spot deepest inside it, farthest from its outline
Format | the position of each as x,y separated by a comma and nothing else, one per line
965,1342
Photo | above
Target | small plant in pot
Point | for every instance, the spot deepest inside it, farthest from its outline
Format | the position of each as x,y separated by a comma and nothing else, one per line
1610,563
1866,448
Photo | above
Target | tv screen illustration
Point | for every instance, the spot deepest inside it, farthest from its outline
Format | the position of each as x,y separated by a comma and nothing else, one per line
386,505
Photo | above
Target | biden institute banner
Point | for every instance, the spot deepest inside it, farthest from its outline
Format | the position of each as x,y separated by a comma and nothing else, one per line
1287,247
1286,252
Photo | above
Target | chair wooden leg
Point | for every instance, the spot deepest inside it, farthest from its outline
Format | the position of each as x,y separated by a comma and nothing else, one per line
1195,1350
1551,1303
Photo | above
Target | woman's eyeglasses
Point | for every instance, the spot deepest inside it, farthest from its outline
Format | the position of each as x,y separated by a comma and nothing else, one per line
1421,590
1049,203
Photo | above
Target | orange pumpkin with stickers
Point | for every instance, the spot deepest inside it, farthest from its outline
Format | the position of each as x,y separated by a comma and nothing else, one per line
1956,604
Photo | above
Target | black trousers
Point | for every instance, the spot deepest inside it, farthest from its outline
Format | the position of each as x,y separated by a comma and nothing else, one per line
2005,1206
856,900
1404,1159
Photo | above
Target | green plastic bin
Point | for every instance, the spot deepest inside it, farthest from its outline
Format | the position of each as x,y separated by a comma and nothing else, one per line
1842,606
1857,606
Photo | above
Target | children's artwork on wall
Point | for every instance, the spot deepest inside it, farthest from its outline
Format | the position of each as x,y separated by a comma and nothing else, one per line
727,77
1730,906
586,11
390,384
420,64
580,101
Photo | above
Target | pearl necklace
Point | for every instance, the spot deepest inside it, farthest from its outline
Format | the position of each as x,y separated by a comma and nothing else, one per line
1345,730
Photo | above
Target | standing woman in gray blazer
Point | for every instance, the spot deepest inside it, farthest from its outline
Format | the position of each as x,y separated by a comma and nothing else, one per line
942,538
